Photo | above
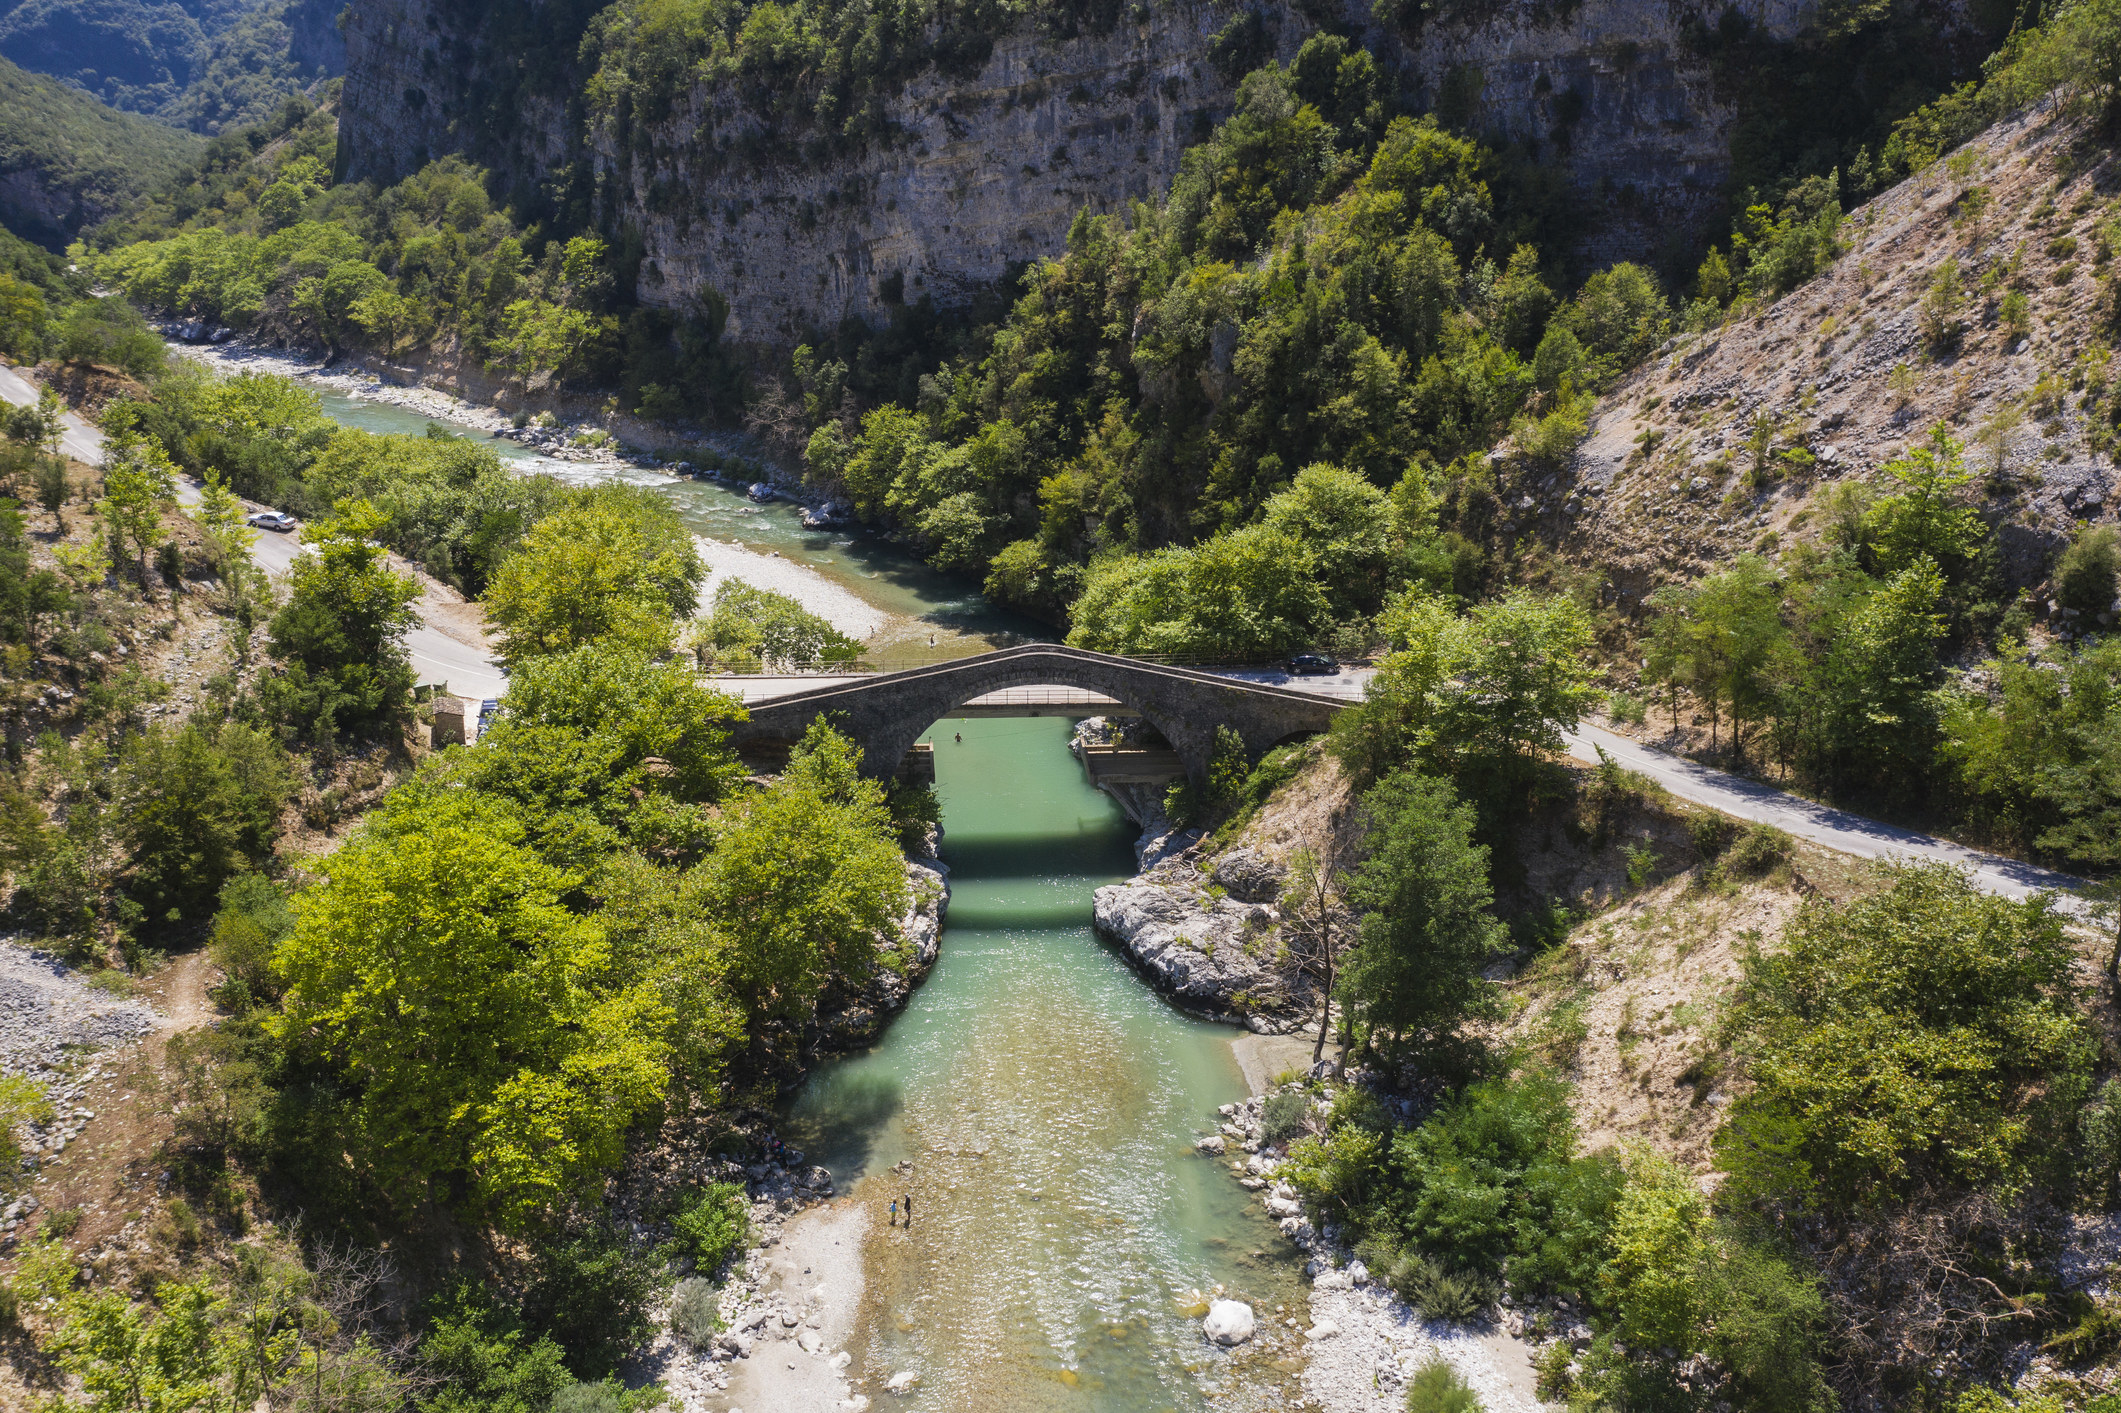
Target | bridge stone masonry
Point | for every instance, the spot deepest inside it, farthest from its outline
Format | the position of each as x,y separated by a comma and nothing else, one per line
885,714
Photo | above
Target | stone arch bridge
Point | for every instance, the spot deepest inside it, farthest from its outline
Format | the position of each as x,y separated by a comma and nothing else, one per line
885,714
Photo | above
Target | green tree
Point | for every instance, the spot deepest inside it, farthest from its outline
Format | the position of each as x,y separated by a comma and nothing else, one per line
752,625
1246,594
1922,1035
489,1041
228,538
1725,640
340,638
198,806
804,878
1867,708
1928,517
602,748
1480,698
138,482
612,567
1414,975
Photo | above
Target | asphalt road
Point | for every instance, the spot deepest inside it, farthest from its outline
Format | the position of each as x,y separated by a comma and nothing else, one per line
80,441
469,672
1818,824
436,656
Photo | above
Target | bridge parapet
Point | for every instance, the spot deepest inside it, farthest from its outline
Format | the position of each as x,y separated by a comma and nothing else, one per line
886,714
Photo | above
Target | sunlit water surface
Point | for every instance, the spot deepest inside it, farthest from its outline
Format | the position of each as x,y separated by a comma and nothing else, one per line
1065,1233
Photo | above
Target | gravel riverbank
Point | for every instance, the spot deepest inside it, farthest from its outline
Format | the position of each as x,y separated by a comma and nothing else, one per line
1364,1342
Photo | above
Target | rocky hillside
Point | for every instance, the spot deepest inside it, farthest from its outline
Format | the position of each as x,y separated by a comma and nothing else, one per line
1848,371
987,168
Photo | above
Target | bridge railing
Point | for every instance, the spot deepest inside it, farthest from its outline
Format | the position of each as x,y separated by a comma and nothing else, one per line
892,660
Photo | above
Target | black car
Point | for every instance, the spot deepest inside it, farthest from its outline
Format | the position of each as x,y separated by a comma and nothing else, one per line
1312,665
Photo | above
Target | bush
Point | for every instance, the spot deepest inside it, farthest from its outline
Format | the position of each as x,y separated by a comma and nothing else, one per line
254,918
591,1297
1438,1389
694,1315
714,1225
1441,1294
1284,1115
1925,1036
2088,577
1711,833
1760,850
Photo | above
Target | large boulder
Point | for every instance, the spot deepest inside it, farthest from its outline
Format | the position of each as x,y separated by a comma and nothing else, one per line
1249,876
1229,1322
1198,947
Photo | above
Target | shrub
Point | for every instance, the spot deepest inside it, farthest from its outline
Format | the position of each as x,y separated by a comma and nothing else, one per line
1759,850
1438,1389
1711,833
1627,710
1283,1116
605,1397
1442,1294
1925,1035
591,1297
2088,576
714,1225
694,1316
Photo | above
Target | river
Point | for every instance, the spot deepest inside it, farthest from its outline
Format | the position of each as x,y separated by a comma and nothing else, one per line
1037,1098
868,587
1067,1236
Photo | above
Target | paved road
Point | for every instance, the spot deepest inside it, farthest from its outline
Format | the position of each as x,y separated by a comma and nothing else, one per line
1830,828
79,441
436,656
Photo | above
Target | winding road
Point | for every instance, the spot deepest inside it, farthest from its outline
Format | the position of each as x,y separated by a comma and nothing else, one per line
436,655
1819,824
470,671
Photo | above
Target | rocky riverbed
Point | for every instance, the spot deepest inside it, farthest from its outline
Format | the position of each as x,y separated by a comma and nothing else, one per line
1364,1343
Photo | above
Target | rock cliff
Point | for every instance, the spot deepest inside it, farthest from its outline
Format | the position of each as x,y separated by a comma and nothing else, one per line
988,171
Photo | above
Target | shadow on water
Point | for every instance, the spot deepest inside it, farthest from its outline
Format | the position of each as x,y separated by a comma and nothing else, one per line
840,1117
1087,850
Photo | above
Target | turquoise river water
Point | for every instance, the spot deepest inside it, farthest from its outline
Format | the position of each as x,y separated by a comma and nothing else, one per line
1047,1100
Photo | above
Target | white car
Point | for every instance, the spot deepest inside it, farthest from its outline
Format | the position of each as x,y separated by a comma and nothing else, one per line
271,520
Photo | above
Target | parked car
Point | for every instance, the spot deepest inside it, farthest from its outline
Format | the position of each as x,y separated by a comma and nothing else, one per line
1312,665
271,520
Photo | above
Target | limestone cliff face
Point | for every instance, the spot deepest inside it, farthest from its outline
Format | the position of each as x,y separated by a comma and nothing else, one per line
991,171
1613,93
987,172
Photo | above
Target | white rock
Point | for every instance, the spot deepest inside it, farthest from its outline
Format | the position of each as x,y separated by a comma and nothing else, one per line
1330,1280
1228,1322
1213,1143
841,1360
901,1382
1324,1329
1358,1273
810,1342
1283,1207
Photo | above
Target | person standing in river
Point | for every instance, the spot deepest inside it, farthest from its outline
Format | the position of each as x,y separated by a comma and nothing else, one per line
894,1211
907,1202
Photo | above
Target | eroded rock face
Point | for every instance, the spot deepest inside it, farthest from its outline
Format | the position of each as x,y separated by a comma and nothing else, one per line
1197,947
993,169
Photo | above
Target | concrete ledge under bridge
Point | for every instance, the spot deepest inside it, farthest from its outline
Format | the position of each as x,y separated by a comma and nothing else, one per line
885,713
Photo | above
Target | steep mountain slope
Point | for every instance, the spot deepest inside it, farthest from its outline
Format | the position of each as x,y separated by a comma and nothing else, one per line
66,159
202,64
1918,322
